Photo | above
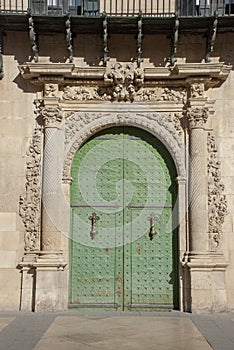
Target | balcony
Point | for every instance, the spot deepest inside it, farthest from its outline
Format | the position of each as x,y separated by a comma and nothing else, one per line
86,16
118,8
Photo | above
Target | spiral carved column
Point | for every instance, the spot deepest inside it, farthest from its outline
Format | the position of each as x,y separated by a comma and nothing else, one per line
51,276
206,269
198,180
50,240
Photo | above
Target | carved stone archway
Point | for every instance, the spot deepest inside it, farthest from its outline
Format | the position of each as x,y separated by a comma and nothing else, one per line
80,126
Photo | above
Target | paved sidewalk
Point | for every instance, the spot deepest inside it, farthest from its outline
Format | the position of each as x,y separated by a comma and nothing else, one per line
131,331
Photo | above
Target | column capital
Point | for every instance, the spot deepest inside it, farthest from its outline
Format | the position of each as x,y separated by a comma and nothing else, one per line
197,116
52,116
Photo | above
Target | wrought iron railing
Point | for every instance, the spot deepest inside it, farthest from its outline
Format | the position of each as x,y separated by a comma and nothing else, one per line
149,8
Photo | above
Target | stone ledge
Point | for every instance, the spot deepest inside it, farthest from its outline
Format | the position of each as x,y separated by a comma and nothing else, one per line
212,261
48,72
43,260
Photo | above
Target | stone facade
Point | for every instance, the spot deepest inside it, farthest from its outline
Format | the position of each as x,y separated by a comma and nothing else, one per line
50,105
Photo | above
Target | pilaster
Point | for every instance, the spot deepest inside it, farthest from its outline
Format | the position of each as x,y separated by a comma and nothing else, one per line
206,268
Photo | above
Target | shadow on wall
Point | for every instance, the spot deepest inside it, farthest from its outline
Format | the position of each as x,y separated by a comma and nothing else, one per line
25,85
17,44
224,48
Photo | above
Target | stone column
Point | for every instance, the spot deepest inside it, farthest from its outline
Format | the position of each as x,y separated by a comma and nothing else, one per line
205,269
51,175
51,278
198,188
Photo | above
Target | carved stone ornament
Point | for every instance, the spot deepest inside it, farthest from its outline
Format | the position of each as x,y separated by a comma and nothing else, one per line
175,119
161,94
125,80
105,93
197,90
82,125
29,204
51,90
197,116
216,199
81,93
51,115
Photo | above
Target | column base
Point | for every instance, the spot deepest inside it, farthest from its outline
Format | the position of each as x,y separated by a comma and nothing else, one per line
207,281
44,282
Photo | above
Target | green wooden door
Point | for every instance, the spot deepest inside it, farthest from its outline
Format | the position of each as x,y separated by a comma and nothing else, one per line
123,247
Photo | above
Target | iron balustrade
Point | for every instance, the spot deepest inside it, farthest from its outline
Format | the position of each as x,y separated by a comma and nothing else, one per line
148,8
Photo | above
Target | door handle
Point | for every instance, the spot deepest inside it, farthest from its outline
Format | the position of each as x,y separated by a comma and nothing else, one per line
93,219
152,218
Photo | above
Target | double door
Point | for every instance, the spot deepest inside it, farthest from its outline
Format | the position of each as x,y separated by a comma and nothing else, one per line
123,244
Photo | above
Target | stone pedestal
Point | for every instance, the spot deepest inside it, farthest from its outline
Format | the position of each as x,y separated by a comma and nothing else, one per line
28,282
44,282
52,291
207,282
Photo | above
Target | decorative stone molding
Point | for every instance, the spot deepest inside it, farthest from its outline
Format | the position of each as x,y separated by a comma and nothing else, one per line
215,72
51,90
105,93
197,116
197,90
125,80
81,125
217,202
161,94
30,204
175,119
83,93
52,116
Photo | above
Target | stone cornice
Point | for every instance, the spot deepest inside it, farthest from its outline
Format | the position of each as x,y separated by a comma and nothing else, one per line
212,73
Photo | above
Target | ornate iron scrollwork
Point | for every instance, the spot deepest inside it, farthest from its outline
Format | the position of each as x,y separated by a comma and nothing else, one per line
105,39
69,37
33,38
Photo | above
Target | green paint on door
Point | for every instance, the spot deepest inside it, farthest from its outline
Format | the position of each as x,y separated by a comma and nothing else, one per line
123,246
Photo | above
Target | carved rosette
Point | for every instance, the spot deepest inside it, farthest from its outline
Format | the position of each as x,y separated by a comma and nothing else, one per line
30,203
217,202
197,116
52,116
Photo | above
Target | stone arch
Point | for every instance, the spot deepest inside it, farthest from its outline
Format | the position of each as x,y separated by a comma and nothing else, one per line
80,126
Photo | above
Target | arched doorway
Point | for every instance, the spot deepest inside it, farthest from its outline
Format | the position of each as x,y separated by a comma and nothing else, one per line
123,242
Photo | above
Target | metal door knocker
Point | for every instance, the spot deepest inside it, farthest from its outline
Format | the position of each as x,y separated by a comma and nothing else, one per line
93,219
152,219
